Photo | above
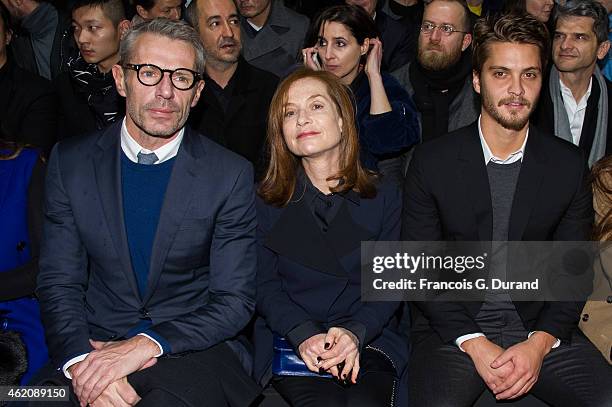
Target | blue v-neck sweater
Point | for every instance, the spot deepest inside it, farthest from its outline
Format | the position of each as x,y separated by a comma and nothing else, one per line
143,188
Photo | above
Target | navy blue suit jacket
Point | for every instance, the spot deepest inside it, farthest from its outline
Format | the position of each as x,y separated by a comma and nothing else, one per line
201,283
309,281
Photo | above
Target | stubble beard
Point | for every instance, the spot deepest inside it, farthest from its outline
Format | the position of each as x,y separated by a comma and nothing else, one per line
514,121
215,56
138,115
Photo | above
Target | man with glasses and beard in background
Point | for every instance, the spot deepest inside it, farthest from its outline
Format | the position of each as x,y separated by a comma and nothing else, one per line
440,79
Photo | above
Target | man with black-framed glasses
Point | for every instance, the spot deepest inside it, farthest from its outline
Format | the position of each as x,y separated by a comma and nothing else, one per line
440,78
148,260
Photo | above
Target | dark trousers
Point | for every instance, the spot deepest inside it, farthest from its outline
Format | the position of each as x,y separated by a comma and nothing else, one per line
573,374
213,377
376,386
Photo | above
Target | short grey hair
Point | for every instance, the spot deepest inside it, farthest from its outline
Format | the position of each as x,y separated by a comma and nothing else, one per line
173,29
586,8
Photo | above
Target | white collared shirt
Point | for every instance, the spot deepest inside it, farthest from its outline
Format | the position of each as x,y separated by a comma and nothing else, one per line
131,148
488,155
255,27
575,110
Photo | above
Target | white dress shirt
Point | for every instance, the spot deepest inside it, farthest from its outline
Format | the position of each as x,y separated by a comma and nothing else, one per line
131,148
255,26
575,109
488,155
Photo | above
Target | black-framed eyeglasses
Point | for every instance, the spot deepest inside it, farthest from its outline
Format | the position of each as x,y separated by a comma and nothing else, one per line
428,28
151,75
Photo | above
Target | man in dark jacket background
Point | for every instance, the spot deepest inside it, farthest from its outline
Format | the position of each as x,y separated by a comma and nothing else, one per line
576,99
87,93
272,35
28,113
38,36
234,104
399,42
440,79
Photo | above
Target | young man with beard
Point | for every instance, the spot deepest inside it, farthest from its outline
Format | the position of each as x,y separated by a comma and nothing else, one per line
88,98
500,179
577,99
439,80
272,35
233,107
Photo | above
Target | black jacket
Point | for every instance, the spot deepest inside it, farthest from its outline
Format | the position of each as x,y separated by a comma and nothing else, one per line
28,108
63,48
76,117
399,43
447,198
242,128
309,281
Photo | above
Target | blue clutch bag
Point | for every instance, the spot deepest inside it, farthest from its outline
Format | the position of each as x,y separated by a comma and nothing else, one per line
287,363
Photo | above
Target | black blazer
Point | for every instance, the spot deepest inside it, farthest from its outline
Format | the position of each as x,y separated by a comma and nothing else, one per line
28,108
309,281
242,128
447,197
201,282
